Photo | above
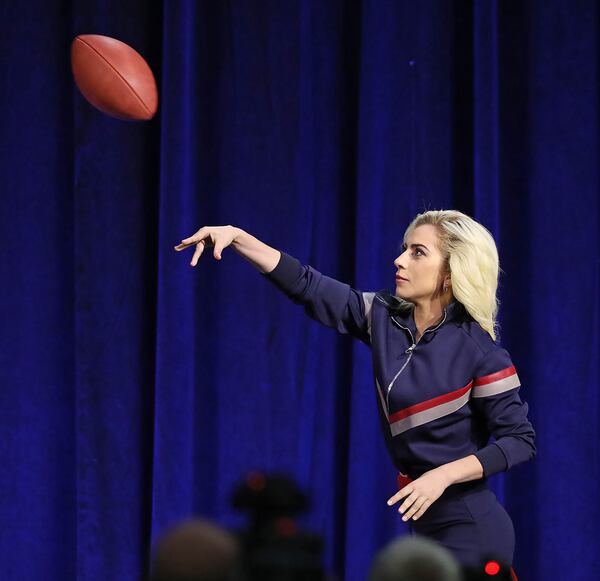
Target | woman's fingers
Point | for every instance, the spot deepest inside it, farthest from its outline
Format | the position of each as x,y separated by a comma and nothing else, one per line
399,496
408,501
198,253
196,237
213,236
192,240
423,508
416,505
393,500
219,245
183,246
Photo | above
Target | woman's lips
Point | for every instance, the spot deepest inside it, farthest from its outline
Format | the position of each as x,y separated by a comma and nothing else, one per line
400,279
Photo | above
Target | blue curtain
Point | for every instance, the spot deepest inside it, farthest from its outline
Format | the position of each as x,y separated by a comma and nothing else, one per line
136,390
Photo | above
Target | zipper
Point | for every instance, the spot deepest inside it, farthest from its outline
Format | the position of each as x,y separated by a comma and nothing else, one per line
410,351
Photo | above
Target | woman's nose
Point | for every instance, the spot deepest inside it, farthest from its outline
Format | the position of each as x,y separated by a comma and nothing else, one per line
401,263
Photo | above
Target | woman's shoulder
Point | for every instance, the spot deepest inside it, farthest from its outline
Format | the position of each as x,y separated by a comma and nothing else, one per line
391,302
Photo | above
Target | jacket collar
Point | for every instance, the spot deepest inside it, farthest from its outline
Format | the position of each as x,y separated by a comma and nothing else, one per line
402,314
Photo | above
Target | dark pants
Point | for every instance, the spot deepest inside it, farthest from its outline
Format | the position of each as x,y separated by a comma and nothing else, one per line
470,522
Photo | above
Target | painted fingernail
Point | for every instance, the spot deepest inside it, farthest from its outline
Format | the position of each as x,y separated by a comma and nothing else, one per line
403,518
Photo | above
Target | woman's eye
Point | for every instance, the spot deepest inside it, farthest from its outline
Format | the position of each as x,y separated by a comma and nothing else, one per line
416,250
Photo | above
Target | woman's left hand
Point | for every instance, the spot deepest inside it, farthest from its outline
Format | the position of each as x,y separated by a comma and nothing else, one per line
420,493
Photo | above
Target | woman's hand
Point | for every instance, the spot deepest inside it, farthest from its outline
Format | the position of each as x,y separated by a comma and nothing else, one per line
420,493
218,236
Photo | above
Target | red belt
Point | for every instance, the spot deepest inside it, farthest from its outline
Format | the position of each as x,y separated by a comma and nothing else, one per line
403,480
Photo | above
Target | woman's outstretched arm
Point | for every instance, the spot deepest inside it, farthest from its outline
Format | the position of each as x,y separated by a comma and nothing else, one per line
331,302
257,253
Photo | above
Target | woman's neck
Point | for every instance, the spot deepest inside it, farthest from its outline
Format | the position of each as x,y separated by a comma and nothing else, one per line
428,313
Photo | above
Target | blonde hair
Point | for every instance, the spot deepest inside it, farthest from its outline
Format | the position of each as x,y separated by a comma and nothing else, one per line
470,255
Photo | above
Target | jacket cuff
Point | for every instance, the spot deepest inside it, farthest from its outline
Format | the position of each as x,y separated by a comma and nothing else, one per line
287,271
492,459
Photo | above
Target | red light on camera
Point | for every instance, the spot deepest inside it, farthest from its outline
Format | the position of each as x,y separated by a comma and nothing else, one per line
492,568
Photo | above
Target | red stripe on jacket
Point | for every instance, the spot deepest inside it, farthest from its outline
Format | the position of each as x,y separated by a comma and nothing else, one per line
485,379
430,403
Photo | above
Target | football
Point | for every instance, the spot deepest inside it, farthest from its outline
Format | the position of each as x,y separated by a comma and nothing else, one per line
114,77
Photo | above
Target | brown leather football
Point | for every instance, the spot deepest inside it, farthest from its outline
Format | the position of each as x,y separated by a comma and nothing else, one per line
114,77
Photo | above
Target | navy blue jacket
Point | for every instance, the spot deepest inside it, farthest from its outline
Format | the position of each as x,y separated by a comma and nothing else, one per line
439,399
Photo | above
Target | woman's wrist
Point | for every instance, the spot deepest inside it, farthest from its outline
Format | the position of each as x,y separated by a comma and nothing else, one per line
236,233
259,254
241,241
462,470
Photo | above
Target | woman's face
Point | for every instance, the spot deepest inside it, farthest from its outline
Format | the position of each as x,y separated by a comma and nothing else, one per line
420,265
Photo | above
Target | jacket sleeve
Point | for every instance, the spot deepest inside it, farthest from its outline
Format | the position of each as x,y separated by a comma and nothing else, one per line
326,300
495,398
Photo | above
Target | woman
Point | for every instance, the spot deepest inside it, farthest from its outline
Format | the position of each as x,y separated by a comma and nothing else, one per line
444,385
